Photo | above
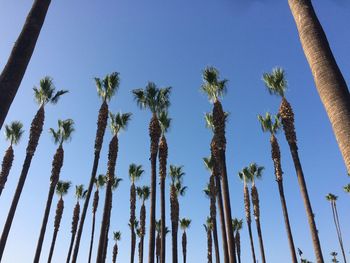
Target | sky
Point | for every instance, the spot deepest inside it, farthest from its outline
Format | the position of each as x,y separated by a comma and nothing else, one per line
170,43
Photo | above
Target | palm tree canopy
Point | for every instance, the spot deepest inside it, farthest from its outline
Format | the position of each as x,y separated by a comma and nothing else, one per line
212,85
185,223
64,131
80,193
117,235
153,98
270,123
14,132
119,121
331,197
45,93
276,82
62,187
143,192
115,182
164,121
108,86
208,224
245,175
208,163
255,172
207,191
176,173
347,188
135,172
209,122
180,189
237,224
100,181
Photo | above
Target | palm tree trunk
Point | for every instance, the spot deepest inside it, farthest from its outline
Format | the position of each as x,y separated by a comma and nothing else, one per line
132,221
238,246
163,155
251,241
34,136
261,243
12,74
209,246
58,217
328,78
213,192
92,236
101,128
52,247
336,221
115,253
184,246
70,248
75,221
141,250
6,167
106,243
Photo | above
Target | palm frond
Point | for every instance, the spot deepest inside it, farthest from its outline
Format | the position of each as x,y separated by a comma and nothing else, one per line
331,197
62,187
185,223
14,132
164,121
119,121
212,86
276,82
117,236
115,182
57,96
100,181
135,172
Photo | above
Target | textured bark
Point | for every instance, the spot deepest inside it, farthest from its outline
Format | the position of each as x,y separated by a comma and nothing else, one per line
142,230
174,214
12,75
94,209
337,226
58,217
163,155
158,245
154,133
115,253
238,246
34,136
101,128
6,167
249,220
184,246
213,193
75,221
328,78
209,246
132,221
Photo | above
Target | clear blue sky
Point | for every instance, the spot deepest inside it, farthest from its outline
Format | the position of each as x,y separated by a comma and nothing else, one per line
170,42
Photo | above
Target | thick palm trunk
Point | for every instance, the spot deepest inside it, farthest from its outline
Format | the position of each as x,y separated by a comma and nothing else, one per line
184,246
329,80
94,209
143,231
106,243
12,74
213,193
6,167
101,128
58,217
115,253
174,222
141,250
337,225
238,246
75,221
35,132
132,221
209,246
261,243
158,245
163,155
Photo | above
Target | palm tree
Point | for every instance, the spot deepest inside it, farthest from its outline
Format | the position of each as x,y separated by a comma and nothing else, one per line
158,240
215,89
272,124
99,183
176,188
208,229
80,193
143,193
333,199
119,122
44,94
237,225
63,134
62,188
347,188
328,78
164,122
184,224
157,101
135,173
334,255
276,83
116,236
212,192
245,176
13,72
13,133
106,88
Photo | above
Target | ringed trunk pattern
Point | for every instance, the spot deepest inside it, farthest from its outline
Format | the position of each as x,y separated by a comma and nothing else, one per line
75,221
58,217
249,219
163,155
6,167
94,209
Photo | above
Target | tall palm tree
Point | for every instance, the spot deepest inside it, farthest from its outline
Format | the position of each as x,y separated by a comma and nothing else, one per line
143,194
184,224
119,122
208,229
272,125
13,133
135,173
158,240
164,122
44,94
13,72
276,83
106,88
99,183
347,188
212,192
61,135
333,199
328,78
245,177
237,225
116,236
80,193
215,89
157,101
62,188
176,189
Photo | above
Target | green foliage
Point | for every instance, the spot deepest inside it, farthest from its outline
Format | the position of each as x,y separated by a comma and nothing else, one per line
64,131
119,121
108,86
208,163
270,123
164,121
62,187
143,192
185,223
45,93
276,82
14,132
100,181
208,226
117,236
244,175
212,85
80,193
135,172
237,224
331,197
347,188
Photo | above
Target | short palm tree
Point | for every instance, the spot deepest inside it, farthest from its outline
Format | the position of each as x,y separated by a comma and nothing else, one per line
119,122
184,224
106,88
272,125
244,175
62,188
347,188
80,194
208,229
237,225
143,194
13,133
116,236
157,101
135,173
276,83
176,189
215,89
99,183
333,199
164,122
44,94
334,257
61,135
